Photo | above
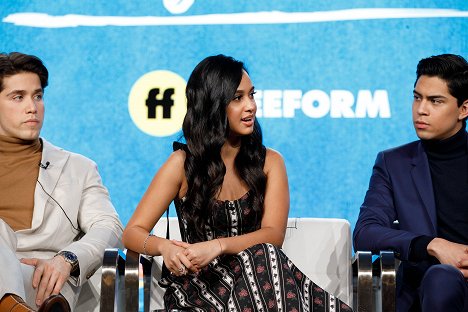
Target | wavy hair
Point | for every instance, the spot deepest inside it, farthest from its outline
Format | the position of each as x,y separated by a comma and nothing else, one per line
15,62
210,88
451,68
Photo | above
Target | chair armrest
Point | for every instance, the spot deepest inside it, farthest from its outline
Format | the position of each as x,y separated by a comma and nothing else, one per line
147,265
112,270
362,275
132,280
385,267
375,281
120,281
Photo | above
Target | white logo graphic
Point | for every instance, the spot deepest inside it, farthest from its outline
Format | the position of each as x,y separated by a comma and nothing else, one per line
178,6
318,104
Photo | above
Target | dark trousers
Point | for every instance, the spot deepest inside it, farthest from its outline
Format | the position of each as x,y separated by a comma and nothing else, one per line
443,288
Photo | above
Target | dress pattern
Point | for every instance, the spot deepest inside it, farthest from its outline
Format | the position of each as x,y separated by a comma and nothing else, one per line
260,278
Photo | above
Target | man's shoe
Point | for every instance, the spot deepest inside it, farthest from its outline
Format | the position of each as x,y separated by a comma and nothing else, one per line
55,303
14,303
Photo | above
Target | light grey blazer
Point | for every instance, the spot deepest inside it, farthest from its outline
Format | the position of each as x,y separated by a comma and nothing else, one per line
73,182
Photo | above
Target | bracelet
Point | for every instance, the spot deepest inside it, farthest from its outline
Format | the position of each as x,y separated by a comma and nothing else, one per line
144,244
220,246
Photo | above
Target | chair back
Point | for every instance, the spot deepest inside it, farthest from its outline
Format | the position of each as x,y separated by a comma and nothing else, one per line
319,247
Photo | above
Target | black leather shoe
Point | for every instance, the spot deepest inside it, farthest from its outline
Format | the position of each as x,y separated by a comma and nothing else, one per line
55,303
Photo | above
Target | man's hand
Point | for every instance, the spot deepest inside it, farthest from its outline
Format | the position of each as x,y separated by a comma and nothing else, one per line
49,276
450,253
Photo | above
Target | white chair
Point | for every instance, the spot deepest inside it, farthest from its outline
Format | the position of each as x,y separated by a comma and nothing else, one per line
319,247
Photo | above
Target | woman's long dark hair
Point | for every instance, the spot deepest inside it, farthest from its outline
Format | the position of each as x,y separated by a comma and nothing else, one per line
210,88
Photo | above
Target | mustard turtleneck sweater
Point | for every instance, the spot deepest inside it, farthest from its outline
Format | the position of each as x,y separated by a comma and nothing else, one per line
19,170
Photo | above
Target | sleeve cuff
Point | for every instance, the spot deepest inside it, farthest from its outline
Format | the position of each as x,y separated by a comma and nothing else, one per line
418,248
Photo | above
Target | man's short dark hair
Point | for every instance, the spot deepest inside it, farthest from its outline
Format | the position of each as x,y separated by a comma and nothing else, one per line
14,63
451,68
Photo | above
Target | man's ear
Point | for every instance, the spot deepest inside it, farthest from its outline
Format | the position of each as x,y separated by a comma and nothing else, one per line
463,109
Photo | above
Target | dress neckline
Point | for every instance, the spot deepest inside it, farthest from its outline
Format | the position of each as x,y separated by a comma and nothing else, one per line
243,197
222,201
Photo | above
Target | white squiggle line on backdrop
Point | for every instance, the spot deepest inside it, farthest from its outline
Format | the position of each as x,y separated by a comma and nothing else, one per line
272,17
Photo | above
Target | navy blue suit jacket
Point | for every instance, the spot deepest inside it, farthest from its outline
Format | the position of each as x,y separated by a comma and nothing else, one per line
400,189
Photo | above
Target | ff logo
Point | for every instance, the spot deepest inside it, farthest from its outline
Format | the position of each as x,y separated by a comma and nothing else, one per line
157,103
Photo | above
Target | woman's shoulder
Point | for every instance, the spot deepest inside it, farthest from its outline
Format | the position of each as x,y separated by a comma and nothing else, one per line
177,158
273,159
175,162
273,155
174,167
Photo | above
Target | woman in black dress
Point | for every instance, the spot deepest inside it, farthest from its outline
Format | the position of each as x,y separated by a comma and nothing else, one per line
232,200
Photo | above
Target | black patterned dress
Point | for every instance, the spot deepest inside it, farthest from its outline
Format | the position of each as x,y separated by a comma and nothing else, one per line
260,278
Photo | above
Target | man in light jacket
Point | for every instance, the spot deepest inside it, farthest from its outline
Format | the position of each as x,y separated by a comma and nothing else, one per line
56,217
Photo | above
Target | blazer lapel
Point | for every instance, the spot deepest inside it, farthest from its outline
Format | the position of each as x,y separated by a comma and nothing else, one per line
422,179
47,180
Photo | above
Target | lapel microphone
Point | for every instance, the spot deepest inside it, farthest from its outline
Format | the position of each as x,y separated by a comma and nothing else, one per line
44,166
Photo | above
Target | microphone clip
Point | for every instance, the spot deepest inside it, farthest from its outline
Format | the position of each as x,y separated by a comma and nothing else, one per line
44,166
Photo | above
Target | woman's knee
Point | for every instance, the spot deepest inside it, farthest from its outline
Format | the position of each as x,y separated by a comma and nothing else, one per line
260,249
261,252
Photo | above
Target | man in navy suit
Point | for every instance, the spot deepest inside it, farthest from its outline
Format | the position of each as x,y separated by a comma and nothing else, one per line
424,186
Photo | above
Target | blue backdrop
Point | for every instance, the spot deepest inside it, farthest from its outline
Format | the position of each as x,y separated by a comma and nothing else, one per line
335,80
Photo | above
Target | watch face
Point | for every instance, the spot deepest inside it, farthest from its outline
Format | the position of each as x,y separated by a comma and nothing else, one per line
69,256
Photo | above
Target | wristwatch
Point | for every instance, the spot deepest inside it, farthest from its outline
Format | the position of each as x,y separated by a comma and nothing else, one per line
71,258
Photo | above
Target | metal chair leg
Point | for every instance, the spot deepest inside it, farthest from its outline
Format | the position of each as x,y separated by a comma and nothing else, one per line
112,270
146,264
363,298
132,265
387,281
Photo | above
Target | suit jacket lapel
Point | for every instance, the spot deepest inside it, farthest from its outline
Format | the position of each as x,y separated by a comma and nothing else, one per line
421,174
47,180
